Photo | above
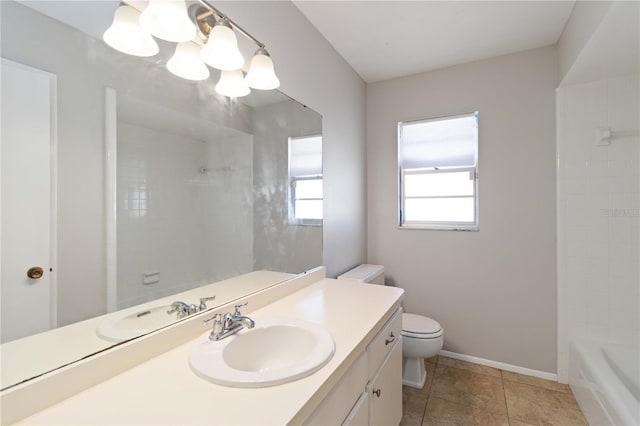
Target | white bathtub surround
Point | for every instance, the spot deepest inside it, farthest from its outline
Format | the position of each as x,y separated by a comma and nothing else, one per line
598,239
604,379
191,187
179,395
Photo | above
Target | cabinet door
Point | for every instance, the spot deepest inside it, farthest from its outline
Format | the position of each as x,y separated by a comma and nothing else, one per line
343,397
359,415
385,391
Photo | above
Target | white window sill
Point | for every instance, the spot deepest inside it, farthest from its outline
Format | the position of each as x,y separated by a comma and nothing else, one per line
448,227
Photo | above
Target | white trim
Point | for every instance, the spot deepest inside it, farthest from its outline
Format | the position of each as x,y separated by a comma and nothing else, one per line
501,365
53,183
111,164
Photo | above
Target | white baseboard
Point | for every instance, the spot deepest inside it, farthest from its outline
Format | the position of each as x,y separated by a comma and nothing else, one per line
501,365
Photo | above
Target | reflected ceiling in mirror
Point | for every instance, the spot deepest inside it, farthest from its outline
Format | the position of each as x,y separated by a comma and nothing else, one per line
158,185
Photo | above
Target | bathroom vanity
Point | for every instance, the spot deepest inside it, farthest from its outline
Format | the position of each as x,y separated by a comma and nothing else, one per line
360,384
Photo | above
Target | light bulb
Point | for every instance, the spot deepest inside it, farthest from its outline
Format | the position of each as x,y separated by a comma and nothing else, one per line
186,62
168,20
126,36
221,50
232,84
261,74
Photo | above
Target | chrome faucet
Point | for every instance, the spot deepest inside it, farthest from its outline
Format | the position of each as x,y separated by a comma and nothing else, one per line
224,325
183,310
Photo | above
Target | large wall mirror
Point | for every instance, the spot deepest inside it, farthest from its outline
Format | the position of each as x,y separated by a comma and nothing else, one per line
126,188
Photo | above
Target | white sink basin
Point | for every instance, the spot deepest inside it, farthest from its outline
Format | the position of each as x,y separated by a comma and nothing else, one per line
129,324
274,352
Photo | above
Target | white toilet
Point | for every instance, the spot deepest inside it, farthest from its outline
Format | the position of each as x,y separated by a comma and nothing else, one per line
422,337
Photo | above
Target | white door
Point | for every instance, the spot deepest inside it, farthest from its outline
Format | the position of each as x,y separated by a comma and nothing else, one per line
27,143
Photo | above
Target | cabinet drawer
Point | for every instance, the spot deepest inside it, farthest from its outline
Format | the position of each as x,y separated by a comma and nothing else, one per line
384,341
335,408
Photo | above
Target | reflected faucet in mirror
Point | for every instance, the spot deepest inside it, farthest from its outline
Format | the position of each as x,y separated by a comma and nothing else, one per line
182,310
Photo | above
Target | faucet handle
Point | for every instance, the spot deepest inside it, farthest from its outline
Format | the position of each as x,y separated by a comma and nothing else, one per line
179,307
217,326
203,304
237,313
215,317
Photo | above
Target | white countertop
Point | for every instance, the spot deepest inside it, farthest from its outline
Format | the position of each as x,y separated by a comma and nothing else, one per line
164,390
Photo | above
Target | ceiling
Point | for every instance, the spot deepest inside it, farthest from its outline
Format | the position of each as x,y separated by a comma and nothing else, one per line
388,39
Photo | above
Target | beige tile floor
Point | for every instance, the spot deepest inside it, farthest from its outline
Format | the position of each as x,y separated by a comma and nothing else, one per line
462,393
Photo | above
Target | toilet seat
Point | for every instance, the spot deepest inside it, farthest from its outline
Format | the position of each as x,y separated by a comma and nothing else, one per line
420,327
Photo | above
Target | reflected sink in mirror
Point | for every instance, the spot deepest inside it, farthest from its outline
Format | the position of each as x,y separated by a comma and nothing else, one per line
274,352
127,325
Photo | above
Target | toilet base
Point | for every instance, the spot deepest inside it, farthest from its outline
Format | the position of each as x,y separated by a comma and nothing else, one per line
413,372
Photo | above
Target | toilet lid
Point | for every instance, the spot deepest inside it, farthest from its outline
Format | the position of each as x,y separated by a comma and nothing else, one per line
420,326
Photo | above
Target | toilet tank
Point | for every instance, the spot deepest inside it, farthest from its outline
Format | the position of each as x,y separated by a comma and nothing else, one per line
373,274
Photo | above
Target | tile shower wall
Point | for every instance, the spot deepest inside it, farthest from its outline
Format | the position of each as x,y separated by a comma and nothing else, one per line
598,214
177,197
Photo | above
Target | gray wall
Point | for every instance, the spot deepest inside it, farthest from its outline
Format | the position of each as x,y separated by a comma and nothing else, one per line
493,291
313,73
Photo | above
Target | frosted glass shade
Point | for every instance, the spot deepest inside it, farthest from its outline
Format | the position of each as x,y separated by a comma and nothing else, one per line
221,51
232,84
261,74
168,20
186,62
126,36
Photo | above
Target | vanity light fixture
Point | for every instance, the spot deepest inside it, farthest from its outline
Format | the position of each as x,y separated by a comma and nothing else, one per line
186,62
261,75
221,50
168,20
232,84
200,24
126,36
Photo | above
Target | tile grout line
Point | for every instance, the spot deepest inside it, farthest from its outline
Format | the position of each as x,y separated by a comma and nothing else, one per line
426,403
504,393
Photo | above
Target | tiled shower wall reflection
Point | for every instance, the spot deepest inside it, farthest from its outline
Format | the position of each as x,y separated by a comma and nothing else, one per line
184,211
598,214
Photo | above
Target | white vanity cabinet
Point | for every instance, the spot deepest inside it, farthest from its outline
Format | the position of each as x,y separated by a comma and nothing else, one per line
370,392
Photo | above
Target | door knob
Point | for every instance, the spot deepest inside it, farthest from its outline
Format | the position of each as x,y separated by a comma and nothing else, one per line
35,272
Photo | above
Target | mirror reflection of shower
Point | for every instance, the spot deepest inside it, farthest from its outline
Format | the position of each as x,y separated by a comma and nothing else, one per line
184,188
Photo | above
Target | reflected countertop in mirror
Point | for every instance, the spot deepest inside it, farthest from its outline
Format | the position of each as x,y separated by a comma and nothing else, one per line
158,186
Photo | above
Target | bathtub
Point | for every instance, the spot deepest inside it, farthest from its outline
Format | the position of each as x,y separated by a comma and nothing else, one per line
604,379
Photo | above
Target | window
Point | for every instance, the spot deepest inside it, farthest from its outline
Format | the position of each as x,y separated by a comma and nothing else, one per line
438,164
305,180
